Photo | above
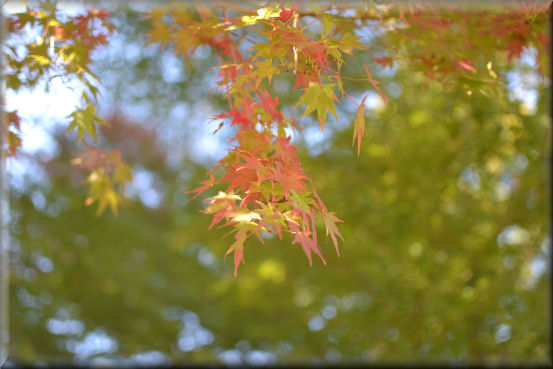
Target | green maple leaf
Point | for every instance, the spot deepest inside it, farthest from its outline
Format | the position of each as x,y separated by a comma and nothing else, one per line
320,97
122,174
301,201
160,33
84,120
265,69
348,42
328,22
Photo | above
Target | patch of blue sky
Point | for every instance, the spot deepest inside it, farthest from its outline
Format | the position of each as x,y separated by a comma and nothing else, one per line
146,187
522,82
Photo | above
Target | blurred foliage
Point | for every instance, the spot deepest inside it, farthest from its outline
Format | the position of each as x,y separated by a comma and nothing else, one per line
445,228
60,49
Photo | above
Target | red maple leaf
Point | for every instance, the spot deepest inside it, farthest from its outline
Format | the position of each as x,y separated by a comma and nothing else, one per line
207,184
239,118
303,80
240,176
14,118
290,177
307,244
269,105
286,14
238,248
385,61
285,151
317,52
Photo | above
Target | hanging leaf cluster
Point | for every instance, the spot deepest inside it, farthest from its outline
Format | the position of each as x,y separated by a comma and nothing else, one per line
62,50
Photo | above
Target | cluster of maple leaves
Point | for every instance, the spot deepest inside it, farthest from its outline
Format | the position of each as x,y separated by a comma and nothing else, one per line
62,49
266,188
263,188
474,39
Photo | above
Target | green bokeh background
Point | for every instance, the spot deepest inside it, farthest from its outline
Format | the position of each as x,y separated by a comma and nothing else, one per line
445,258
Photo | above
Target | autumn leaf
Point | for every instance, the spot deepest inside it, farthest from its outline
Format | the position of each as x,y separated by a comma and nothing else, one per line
286,151
330,220
385,61
84,120
265,69
286,14
13,143
269,105
319,97
288,177
303,80
159,33
359,126
348,42
205,185
307,243
238,248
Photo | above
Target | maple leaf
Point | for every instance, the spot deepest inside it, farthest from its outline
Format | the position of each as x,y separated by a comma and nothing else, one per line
385,62
14,119
270,217
319,97
184,39
83,120
247,217
205,185
250,197
317,52
359,126
308,244
269,105
348,42
284,150
218,216
220,206
239,117
160,33
238,248
330,220
286,38
286,14
265,69
299,202
289,177
304,79
13,143
240,177
253,163
250,20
